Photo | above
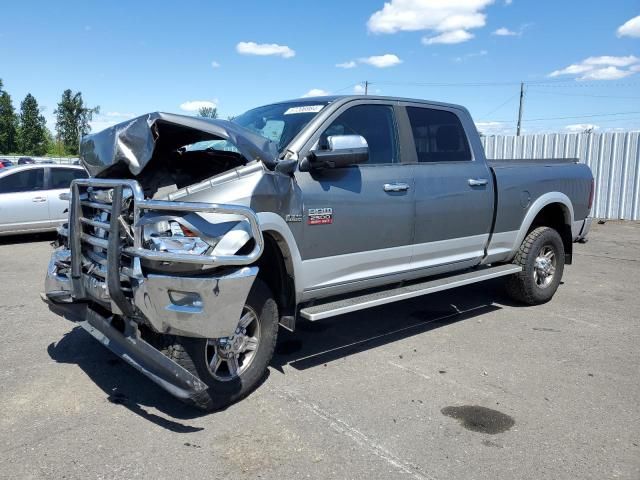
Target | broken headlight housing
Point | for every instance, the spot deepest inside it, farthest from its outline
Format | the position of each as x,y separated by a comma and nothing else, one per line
173,237
192,234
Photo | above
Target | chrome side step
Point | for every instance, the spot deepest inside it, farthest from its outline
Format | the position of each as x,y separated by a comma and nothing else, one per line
368,300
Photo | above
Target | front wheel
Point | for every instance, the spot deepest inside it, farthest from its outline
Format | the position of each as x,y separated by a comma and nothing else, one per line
541,257
233,366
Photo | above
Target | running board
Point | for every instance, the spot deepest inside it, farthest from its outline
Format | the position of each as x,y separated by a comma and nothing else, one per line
360,302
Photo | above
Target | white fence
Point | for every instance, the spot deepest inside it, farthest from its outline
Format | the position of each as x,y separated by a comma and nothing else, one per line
614,158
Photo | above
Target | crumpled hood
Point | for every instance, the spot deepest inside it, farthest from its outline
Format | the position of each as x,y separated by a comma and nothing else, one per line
134,143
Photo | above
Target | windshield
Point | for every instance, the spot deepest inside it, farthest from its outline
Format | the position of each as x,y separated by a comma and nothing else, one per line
281,122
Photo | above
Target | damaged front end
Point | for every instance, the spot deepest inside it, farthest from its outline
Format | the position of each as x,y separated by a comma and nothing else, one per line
131,266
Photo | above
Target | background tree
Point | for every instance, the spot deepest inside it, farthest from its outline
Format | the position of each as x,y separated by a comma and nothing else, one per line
8,123
32,131
72,120
208,112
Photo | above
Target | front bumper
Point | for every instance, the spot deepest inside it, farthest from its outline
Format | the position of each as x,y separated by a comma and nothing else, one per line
202,306
132,349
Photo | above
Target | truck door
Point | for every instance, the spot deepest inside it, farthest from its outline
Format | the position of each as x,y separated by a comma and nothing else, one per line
454,191
357,220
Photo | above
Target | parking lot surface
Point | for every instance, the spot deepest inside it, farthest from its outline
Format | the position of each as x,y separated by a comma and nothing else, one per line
457,385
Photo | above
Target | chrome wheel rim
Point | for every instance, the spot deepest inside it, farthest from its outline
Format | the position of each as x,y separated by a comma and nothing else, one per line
230,357
544,267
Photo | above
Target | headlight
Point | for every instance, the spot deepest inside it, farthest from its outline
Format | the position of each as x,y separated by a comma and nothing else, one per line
193,234
173,237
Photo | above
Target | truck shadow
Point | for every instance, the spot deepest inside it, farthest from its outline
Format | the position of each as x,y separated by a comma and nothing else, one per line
28,238
313,344
318,343
122,384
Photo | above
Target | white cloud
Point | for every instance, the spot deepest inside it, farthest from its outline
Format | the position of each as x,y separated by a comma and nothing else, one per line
467,56
494,128
449,20
508,2
358,89
195,105
449,38
315,92
607,73
581,127
252,48
630,28
349,64
381,61
601,68
215,64
505,32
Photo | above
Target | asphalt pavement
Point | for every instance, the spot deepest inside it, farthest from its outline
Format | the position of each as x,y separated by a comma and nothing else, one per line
461,384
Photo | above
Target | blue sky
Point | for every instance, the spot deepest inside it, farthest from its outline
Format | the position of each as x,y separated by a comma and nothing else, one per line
578,58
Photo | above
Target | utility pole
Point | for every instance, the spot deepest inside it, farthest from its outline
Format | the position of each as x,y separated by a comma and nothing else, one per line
520,109
366,87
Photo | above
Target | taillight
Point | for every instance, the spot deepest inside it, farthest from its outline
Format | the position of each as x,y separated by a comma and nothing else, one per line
591,193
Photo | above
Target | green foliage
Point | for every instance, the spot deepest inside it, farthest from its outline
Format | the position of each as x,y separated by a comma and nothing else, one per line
8,123
231,118
32,138
72,120
208,112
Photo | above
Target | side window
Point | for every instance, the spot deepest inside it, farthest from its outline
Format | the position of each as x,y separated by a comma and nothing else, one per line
375,123
61,177
24,181
438,135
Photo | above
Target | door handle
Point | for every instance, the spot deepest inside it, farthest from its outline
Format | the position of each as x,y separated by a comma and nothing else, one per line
478,182
39,199
396,187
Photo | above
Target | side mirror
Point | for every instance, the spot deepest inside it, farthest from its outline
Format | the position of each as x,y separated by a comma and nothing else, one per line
340,151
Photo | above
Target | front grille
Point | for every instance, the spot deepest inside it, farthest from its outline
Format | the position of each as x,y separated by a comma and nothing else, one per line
101,218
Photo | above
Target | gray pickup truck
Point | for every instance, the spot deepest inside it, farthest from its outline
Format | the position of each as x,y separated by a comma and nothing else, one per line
195,239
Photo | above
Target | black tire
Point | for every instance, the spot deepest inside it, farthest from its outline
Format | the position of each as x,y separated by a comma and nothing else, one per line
526,286
192,354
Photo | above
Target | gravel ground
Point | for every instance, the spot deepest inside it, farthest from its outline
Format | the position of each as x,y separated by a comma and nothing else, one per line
462,384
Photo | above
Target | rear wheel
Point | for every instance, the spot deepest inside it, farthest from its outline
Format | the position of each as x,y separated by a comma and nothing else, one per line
232,366
541,257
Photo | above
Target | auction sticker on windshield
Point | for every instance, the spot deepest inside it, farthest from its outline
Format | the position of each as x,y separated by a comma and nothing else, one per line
304,109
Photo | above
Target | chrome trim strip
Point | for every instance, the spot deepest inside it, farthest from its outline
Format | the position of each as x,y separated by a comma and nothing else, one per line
94,223
95,241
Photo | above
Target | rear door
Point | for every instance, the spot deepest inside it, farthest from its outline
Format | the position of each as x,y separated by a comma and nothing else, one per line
23,201
358,220
59,180
454,190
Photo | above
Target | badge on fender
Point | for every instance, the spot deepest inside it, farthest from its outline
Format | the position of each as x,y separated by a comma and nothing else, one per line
320,216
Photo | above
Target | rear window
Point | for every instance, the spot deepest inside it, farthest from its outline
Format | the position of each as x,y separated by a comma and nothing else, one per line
438,135
62,177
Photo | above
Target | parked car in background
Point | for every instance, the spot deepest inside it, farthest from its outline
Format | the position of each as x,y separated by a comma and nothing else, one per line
30,197
5,163
26,161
